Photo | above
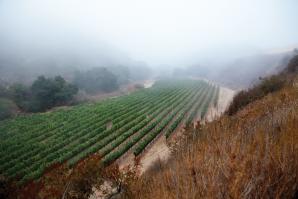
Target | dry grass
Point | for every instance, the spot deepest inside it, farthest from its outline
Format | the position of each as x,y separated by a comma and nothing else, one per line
61,181
253,154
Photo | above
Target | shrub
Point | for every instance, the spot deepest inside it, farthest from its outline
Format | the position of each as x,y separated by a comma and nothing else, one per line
48,92
7,109
267,85
7,188
139,86
96,80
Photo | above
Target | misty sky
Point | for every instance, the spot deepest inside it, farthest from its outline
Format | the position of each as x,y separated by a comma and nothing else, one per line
167,32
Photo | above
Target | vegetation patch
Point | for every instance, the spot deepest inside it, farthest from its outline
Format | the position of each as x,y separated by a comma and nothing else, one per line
31,144
265,86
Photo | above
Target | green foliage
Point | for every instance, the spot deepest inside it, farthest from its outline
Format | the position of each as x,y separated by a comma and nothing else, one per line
43,94
139,86
47,93
7,108
122,73
30,144
4,91
20,94
96,80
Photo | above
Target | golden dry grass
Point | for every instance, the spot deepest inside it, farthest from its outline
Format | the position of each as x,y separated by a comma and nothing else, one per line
253,154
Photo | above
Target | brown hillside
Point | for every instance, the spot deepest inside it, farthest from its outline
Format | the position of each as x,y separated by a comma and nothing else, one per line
253,154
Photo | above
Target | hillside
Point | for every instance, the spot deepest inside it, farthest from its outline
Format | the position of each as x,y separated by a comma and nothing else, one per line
250,68
253,153
249,152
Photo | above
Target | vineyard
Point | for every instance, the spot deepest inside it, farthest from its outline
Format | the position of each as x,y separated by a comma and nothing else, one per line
30,144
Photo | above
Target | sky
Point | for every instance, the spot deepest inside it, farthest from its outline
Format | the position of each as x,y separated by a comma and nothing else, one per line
158,32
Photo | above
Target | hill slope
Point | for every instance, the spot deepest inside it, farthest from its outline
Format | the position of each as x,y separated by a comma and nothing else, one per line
252,154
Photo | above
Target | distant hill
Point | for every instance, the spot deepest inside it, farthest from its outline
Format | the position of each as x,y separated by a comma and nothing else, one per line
246,71
243,72
23,63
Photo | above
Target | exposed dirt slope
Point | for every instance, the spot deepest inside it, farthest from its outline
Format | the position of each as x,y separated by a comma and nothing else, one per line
224,99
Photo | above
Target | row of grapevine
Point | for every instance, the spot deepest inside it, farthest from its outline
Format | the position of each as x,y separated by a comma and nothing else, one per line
30,144
151,124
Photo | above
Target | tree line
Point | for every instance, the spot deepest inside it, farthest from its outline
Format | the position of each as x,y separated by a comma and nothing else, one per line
43,94
47,92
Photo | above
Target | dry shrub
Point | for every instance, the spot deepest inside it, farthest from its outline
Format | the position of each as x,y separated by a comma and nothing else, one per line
251,155
82,178
265,86
293,65
61,181
7,188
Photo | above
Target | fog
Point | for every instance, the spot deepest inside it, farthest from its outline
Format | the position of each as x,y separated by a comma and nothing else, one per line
160,33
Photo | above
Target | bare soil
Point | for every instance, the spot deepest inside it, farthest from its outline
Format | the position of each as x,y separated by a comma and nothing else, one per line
159,151
106,190
148,83
224,99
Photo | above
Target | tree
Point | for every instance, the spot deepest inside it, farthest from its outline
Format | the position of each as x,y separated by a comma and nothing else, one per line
20,94
96,80
47,92
122,73
4,92
7,108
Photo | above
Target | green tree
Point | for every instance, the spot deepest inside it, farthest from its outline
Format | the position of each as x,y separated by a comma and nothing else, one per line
7,108
20,94
48,92
96,80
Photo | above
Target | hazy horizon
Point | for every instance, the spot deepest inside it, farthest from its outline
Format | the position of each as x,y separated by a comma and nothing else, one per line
160,33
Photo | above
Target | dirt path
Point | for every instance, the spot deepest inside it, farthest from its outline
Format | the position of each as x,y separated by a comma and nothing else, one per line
148,83
159,151
224,99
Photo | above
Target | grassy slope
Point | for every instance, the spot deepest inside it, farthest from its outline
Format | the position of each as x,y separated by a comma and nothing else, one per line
253,154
